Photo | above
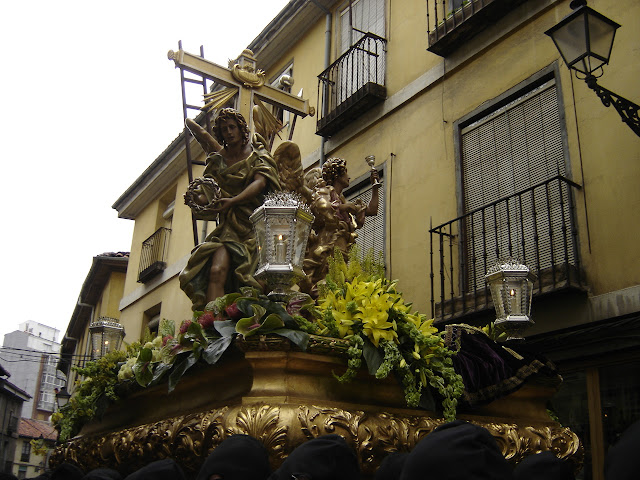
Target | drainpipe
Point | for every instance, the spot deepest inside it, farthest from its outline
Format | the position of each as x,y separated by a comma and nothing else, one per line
327,59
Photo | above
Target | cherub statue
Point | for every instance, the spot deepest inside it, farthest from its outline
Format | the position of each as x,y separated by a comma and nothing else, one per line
237,176
336,218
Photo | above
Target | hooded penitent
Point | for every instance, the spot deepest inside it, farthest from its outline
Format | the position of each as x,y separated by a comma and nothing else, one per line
324,458
239,457
457,450
543,465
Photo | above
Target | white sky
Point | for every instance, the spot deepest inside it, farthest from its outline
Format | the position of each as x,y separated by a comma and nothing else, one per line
88,101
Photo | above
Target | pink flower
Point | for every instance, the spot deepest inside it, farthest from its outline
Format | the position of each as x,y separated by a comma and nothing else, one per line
185,326
233,312
206,319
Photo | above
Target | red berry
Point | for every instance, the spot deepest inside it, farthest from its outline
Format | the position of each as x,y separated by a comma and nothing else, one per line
206,319
233,312
185,326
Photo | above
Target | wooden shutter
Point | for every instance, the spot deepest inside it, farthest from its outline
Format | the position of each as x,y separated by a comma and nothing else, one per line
509,150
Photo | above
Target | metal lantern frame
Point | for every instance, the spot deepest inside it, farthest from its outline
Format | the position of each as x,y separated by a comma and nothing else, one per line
584,39
106,336
282,226
511,284
62,397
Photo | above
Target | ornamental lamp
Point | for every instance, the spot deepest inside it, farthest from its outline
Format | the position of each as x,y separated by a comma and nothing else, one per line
281,225
106,336
62,397
511,285
584,39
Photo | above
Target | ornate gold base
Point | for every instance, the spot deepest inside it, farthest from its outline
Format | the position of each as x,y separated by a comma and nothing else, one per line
292,397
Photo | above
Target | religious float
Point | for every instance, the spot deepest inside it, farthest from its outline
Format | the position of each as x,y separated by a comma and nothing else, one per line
333,348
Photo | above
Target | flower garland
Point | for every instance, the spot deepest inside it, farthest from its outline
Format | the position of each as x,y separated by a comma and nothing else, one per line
357,303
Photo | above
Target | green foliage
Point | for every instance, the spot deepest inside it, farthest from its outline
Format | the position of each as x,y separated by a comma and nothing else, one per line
92,394
358,302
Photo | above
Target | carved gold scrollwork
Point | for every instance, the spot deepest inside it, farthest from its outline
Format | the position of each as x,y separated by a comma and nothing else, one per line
282,427
263,423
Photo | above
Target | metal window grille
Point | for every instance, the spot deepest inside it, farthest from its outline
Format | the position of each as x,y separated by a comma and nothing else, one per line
371,235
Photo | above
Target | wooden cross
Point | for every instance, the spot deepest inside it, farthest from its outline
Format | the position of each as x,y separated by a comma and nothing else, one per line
248,81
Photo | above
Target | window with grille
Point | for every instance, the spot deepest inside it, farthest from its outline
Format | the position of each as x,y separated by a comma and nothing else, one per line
510,150
364,16
26,451
371,235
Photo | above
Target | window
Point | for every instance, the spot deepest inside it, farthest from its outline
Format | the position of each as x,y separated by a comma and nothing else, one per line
26,451
151,319
509,150
364,16
372,233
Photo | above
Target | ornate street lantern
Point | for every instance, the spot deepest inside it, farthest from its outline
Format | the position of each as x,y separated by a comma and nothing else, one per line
282,225
511,284
585,40
106,336
62,397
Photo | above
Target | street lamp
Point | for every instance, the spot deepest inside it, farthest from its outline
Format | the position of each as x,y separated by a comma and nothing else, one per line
282,225
106,336
585,40
62,397
511,285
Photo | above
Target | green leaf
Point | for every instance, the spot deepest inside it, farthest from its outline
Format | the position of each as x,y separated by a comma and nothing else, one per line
250,325
143,373
218,305
215,349
301,339
271,322
372,356
159,372
145,355
167,327
226,328
181,366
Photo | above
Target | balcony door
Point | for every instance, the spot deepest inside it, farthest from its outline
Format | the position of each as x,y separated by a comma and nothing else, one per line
515,149
360,65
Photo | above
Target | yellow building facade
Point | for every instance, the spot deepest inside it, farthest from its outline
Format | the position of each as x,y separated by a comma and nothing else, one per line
488,147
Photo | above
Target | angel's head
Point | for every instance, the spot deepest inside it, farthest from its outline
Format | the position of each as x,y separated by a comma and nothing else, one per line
335,169
226,123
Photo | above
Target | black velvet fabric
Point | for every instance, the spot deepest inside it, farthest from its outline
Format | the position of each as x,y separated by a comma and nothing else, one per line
488,369
166,469
623,458
67,471
457,451
103,474
545,466
323,458
391,466
239,457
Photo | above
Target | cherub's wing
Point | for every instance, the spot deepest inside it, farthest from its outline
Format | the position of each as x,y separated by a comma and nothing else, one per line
289,162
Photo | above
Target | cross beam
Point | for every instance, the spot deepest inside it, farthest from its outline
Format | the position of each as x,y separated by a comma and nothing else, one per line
224,76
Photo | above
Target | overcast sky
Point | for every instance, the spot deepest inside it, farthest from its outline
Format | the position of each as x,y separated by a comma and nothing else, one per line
89,100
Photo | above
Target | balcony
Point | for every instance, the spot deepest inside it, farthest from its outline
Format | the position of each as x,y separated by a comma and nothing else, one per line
353,84
153,255
535,225
451,23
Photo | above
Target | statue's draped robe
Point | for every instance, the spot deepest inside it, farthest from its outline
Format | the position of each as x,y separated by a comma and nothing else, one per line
234,230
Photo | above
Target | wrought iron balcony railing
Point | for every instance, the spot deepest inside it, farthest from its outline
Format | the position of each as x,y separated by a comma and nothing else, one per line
352,84
451,23
536,226
153,255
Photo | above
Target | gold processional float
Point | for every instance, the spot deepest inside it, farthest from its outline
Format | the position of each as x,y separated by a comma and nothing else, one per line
266,385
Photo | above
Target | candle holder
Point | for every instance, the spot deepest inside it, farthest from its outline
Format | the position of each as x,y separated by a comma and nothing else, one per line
281,225
511,284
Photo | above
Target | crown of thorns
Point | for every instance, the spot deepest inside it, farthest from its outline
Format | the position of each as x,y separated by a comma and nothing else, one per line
333,168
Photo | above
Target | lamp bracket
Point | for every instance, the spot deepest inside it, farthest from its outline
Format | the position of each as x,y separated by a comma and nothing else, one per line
627,110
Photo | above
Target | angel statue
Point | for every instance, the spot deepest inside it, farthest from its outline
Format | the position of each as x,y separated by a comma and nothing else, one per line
238,175
336,218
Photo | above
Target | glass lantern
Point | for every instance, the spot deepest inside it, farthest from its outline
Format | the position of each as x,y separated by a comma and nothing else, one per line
511,285
281,225
106,336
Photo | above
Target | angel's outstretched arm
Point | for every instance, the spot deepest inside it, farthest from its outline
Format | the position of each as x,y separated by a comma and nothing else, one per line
204,138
